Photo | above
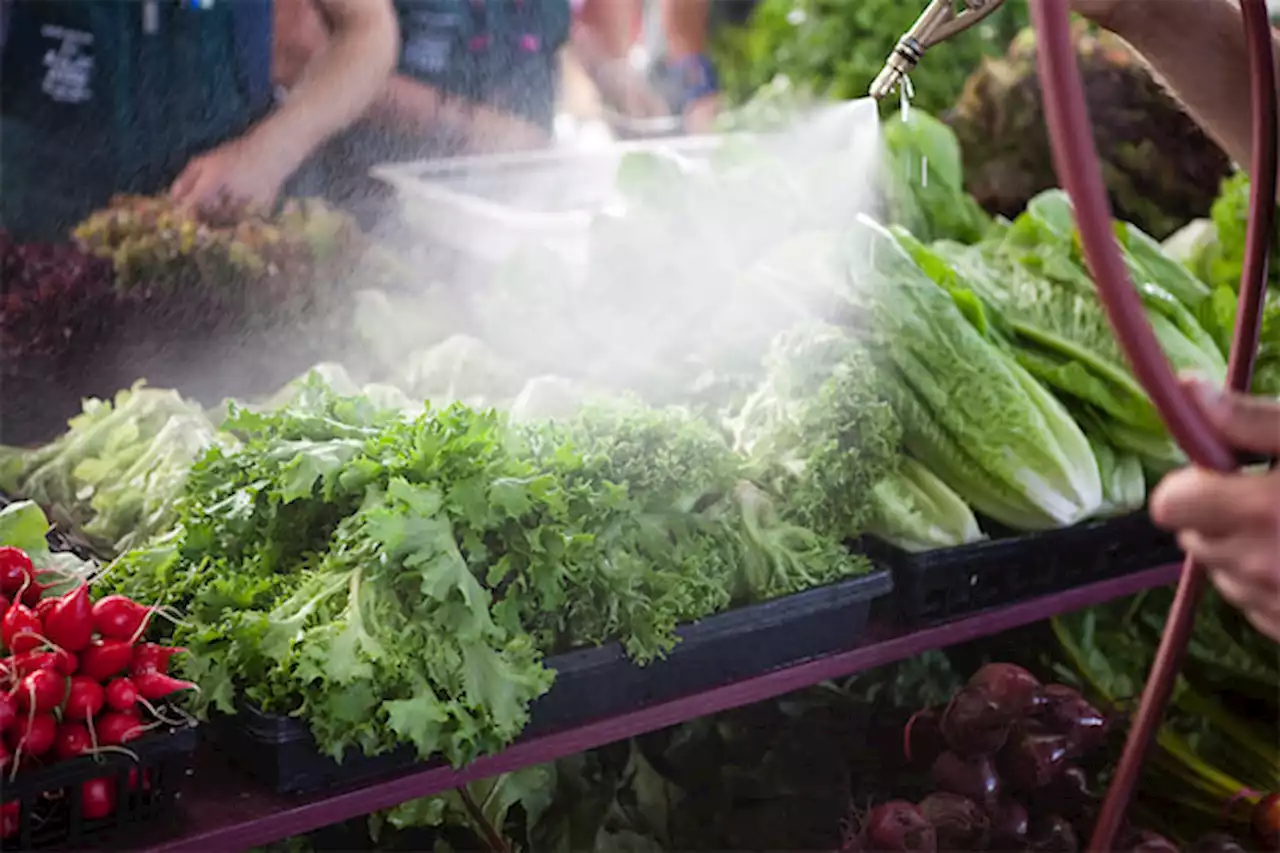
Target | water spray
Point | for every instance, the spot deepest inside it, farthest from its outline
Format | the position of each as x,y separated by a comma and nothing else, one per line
1077,164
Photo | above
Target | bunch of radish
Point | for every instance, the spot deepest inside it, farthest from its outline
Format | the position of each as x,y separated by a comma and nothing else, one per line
77,680
1008,757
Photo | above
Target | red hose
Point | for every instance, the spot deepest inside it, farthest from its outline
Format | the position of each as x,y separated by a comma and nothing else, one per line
1076,159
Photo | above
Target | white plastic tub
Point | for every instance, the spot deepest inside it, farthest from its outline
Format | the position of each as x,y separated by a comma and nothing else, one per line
488,207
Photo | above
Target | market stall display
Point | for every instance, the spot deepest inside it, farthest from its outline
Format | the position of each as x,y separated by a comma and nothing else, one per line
89,739
760,457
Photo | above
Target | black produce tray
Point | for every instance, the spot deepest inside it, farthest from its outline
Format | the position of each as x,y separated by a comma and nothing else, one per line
591,683
936,586
49,798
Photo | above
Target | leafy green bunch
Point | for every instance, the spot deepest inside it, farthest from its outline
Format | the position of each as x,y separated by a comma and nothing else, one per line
398,579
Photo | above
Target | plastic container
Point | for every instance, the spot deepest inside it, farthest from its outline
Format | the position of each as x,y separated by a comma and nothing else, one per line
50,812
592,683
936,586
488,207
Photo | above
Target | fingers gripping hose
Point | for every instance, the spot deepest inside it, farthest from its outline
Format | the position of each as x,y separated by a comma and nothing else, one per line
1076,159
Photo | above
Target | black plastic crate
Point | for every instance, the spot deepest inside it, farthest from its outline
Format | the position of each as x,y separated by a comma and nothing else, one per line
592,683
935,586
49,798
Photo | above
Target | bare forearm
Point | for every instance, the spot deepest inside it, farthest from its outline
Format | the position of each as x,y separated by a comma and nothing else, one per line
413,108
685,24
342,81
1196,47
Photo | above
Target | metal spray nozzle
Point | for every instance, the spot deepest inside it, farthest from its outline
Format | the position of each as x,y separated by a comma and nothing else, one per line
939,22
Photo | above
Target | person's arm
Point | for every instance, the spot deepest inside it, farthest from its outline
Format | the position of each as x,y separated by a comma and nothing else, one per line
1196,47
336,89
602,36
413,107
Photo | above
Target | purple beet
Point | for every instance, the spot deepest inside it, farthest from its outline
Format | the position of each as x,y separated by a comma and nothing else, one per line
1151,842
922,740
1010,825
1015,691
1068,713
1217,842
898,827
960,823
973,777
974,724
1053,835
1032,760
1069,794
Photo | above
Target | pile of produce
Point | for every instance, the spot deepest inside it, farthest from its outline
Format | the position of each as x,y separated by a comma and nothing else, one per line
115,474
1216,754
400,579
1017,766
1213,249
268,260
76,680
1160,169
52,292
1030,290
835,48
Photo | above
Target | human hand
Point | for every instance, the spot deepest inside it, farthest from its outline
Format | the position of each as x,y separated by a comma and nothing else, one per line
1230,523
700,115
243,173
628,92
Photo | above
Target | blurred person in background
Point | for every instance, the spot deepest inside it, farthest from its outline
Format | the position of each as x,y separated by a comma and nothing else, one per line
1230,523
105,96
682,82
473,77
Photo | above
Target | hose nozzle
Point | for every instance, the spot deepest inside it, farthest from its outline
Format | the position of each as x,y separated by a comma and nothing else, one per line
939,22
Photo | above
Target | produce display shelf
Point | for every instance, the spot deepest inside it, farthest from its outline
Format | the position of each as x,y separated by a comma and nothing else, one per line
222,809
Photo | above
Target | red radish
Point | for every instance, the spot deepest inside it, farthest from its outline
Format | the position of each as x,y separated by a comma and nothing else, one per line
42,608
6,757
70,740
115,728
16,569
20,629
1266,821
105,658
97,798
153,657
121,695
20,666
35,734
31,595
84,698
153,686
42,690
69,623
898,826
10,819
64,662
8,712
117,618
4,604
